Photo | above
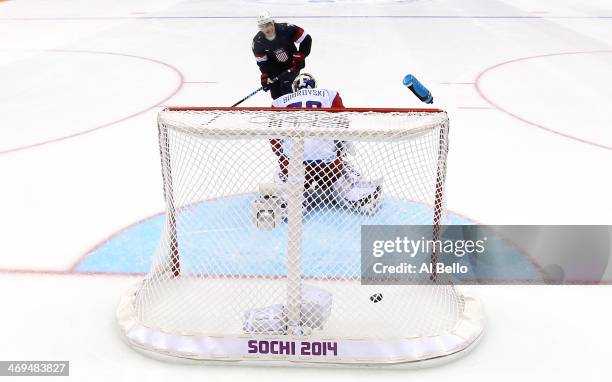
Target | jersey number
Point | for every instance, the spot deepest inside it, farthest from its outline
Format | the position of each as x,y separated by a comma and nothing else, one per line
309,104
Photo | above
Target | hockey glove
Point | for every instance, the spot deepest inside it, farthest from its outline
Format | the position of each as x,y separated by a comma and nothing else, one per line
298,62
265,82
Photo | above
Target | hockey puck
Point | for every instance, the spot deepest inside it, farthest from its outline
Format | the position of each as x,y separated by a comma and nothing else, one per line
376,297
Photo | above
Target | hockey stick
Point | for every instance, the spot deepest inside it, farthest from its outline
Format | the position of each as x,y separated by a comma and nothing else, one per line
261,87
252,94
417,88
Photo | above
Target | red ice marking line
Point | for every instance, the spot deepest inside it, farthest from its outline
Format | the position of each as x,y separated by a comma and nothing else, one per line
110,237
179,86
489,100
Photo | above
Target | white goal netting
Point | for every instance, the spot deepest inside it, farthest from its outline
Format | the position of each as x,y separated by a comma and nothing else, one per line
261,247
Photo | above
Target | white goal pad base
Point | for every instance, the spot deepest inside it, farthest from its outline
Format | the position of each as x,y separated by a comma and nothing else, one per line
316,349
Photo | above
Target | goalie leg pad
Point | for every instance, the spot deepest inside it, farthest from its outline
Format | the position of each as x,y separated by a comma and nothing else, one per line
362,196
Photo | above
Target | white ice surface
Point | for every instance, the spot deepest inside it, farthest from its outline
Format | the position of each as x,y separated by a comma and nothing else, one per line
533,333
58,200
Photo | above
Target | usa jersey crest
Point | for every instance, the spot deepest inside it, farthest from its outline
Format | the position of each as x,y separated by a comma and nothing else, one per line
281,55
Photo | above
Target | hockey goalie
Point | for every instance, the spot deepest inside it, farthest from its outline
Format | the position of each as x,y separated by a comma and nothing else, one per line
330,178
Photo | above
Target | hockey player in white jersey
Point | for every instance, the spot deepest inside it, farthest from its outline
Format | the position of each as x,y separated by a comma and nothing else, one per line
322,158
330,178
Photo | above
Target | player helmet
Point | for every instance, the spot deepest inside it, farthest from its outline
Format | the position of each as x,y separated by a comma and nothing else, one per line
264,18
304,81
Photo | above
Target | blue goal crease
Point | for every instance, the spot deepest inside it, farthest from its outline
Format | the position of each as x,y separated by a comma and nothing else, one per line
244,250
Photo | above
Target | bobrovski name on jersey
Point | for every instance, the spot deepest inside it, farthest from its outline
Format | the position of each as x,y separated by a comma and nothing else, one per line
305,92
304,348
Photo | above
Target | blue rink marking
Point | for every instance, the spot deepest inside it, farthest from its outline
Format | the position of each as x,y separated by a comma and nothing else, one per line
233,244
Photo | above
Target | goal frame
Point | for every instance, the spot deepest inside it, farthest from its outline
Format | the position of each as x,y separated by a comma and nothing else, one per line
403,352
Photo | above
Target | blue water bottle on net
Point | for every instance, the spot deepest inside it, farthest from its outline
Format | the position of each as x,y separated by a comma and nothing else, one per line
418,89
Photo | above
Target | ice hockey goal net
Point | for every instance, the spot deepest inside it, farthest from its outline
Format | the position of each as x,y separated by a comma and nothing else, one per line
259,258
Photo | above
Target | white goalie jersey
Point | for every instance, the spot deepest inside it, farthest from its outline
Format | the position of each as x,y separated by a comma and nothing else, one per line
310,98
327,166
315,150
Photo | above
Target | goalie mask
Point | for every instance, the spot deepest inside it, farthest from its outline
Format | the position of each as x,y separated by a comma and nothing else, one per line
303,81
